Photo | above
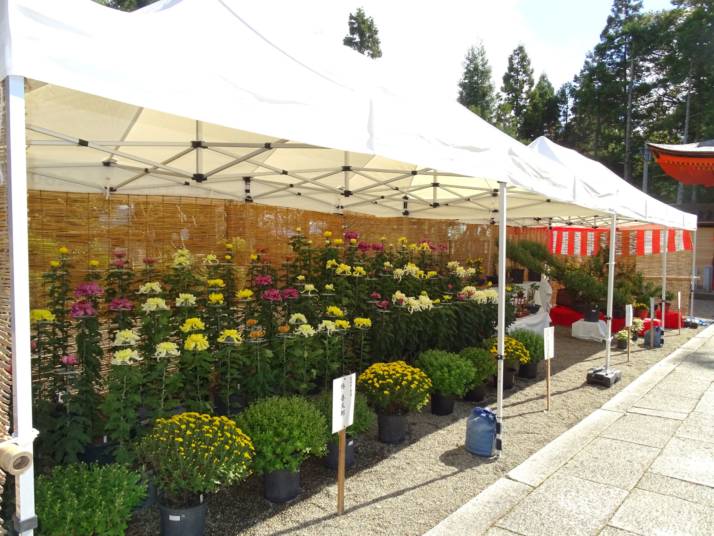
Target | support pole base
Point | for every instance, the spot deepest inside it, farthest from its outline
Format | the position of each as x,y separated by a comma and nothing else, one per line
606,378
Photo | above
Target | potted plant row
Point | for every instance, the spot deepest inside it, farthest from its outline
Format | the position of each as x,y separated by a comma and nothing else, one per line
533,342
450,375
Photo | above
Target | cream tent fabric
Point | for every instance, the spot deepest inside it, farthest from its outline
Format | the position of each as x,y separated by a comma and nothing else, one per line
597,186
213,107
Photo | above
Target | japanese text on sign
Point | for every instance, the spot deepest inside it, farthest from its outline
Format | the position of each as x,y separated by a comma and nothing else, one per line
343,402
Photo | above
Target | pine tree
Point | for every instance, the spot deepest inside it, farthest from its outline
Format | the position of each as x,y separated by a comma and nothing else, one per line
363,36
518,83
541,115
476,90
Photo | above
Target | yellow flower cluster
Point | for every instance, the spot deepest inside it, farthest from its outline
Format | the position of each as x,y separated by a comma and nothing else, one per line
513,351
210,259
332,263
362,323
93,263
41,315
230,336
342,324
196,342
359,271
343,269
338,241
63,250
201,439
335,311
182,258
215,283
215,298
327,234
244,294
55,264
396,386
193,324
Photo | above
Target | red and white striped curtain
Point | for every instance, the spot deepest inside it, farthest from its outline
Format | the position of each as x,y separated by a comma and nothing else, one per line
582,242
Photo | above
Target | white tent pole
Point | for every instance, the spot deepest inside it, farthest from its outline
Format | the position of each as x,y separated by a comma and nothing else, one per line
199,150
501,308
664,274
610,289
693,283
24,433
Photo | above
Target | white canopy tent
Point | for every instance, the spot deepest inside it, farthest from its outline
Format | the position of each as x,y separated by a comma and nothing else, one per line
599,185
219,110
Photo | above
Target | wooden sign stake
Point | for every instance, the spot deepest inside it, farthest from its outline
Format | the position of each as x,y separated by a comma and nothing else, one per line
341,472
629,314
679,312
343,411
548,354
547,385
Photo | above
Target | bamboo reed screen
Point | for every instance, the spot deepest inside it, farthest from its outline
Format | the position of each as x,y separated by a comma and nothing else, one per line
5,333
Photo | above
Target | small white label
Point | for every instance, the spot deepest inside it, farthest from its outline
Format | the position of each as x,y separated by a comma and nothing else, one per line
679,300
343,402
174,518
549,343
628,315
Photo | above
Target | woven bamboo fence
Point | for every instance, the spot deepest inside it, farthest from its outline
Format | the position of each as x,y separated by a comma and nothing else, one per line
5,333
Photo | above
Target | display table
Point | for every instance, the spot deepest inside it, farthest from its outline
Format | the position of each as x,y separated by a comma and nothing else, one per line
564,316
589,331
536,322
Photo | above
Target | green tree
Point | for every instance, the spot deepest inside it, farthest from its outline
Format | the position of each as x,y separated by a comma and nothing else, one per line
363,36
476,90
126,5
518,83
541,116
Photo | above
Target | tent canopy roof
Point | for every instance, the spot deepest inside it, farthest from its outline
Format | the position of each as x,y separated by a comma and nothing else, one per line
253,121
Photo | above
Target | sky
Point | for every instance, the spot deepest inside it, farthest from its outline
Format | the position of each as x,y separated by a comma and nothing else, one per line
427,40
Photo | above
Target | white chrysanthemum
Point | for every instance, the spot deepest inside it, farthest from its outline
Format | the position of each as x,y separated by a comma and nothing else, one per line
154,304
297,319
185,300
152,287
125,337
328,326
305,330
166,349
125,357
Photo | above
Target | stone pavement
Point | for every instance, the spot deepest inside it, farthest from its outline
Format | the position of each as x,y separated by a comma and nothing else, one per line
642,464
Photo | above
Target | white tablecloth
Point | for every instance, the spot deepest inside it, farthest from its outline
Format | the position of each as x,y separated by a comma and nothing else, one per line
589,331
536,322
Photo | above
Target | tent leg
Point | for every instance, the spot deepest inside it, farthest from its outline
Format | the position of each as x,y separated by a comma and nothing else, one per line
501,309
605,375
693,283
24,434
664,276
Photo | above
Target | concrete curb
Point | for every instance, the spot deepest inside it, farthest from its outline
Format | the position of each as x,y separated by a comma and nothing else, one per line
479,514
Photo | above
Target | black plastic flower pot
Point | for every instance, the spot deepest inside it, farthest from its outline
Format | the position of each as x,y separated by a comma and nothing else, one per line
281,486
509,377
101,454
529,370
592,315
622,344
392,428
333,452
477,394
183,521
516,275
232,406
441,404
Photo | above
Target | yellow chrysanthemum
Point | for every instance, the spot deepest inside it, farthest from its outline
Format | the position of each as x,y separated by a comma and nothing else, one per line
193,324
230,336
215,283
41,315
244,294
362,323
215,298
63,250
342,324
93,263
327,234
335,311
55,264
196,342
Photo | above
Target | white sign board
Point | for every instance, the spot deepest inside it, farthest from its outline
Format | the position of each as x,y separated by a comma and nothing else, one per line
549,343
628,315
679,300
343,402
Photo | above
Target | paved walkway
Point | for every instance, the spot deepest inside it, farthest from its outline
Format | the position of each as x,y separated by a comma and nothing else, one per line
642,464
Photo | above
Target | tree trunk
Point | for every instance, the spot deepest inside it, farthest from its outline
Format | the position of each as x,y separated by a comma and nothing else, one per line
628,122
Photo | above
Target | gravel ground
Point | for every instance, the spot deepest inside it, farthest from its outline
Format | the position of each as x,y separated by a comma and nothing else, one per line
407,489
